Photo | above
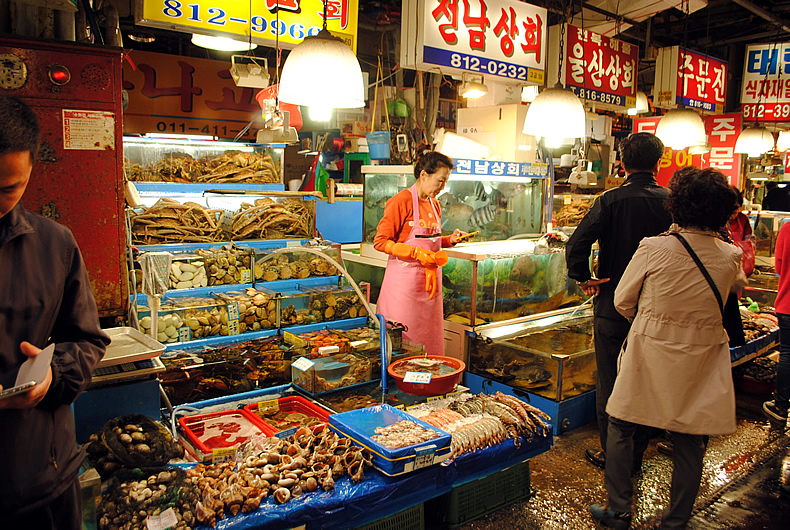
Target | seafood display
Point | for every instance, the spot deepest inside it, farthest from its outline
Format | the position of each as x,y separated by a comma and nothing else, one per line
219,430
402,434
270,267
169,221
230,167
320,304
276,471
187,272
759,369
479,421
511,279
572,212
130,503
184,319
257,308
529,359
758,324
289,412
227,265
433,365
332,372
196,376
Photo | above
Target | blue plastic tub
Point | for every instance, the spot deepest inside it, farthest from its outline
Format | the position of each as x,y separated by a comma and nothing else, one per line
379,144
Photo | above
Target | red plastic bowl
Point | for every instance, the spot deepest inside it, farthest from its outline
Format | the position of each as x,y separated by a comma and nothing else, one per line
440,384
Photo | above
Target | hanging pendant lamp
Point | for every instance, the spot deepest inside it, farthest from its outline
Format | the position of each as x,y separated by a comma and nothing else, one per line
783,142
680,128
641,104
224,44
555,114
322,72
754,141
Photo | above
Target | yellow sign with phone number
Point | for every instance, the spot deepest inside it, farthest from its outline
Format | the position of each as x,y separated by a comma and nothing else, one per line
253,19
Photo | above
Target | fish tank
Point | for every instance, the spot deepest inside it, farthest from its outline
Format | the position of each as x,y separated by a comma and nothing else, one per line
499,281
766,229
552,356
498,208
568,210
292,263
201,161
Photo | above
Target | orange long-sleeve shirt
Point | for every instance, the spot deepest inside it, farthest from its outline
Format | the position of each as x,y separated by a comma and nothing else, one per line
398,218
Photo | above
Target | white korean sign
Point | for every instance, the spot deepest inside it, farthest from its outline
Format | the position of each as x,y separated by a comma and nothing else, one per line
502,38
89,130
765,89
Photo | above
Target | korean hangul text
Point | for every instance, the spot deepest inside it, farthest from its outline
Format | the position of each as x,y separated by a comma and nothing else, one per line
447,9
581,34
628,73
614,44
512,169
476,25
702,78
288,5
336,10
723,128
463,166
613,71
625,47
753,88
497,168
718,83
507,24
532,36
482,167
186,89
721,157
576,60
596,67
595,38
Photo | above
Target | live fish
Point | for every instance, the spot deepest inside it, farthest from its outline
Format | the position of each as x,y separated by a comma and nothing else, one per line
482,216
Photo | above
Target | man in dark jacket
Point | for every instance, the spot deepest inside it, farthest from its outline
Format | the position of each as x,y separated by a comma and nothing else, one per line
619,219
45,297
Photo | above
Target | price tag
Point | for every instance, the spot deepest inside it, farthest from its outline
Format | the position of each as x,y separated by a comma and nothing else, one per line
223,454
164,520
400,407
434,398
566,199
246,276
293,244
233,327
411,407
450,394
226,224
327,350
286,433
269,405
424,456
303,364
233,310
358,344
290,338
417,377
401,181
184,334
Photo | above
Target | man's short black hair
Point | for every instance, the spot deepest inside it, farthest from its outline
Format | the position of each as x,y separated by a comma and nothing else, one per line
700,198
640,151
19,129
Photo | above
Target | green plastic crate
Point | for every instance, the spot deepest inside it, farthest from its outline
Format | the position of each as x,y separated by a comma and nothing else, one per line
409,519
471,501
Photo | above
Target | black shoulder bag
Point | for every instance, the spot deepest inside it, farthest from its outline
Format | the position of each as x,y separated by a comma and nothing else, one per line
730,313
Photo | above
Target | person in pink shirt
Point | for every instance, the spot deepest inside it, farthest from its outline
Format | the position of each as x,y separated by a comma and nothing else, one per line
777,409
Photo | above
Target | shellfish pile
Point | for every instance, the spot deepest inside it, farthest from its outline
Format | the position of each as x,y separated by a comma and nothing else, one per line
257,309
187,274
278,267
479,421
402,434
757,324
232,166
227,266
312,458
205,317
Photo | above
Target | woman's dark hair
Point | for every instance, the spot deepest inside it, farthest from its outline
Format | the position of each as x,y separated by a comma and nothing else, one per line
739,195
429,161
19,130
700,198
640,151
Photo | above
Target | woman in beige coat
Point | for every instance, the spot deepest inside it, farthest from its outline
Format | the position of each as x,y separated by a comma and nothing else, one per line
674,370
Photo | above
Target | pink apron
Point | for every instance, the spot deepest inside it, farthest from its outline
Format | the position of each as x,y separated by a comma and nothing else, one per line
403,296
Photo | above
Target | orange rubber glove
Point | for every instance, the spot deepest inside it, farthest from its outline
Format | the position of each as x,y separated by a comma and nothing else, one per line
431,283
426,257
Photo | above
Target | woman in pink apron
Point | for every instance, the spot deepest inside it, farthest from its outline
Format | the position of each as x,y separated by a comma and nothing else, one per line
410,232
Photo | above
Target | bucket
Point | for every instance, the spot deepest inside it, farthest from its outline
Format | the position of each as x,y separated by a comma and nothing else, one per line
379,144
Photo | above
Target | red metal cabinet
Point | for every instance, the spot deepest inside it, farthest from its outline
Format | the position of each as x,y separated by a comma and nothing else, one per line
78,177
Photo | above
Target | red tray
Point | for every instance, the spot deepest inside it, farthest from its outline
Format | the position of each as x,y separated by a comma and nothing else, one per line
222,429
292,404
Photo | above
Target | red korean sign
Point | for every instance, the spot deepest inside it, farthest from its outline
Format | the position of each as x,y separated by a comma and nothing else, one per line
601,69
185,95
696,80
722,131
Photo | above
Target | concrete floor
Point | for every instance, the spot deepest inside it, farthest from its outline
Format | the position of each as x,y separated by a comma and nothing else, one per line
741,485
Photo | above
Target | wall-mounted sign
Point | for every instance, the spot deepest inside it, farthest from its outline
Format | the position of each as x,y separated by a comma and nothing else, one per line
283,23
448,110
684,76
597,68
502,38
491,170
185,95
722,131
765,91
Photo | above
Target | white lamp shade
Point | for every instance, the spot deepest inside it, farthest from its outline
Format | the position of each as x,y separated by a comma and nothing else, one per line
783,142
529,93
322,72
473,89
754,141
680,128
221,43
457,146
555,113
641,104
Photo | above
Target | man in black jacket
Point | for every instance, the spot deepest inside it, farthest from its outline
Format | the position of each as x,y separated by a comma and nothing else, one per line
45,297
619,219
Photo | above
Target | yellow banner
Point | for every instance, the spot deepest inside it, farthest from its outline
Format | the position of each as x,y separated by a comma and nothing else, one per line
283,23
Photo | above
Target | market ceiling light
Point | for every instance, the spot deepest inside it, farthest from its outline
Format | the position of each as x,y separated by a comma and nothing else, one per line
529,93
700,149
322,72
641,105
555,114
222,43
754,141
471,88
681,127
783,142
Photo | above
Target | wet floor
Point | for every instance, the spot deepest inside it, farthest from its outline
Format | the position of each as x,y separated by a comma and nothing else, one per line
742,483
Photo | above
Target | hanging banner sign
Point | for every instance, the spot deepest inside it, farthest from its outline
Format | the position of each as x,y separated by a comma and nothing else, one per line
492,170
597,68
283,23
696,80
501,38
186,95
765,91
722,131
